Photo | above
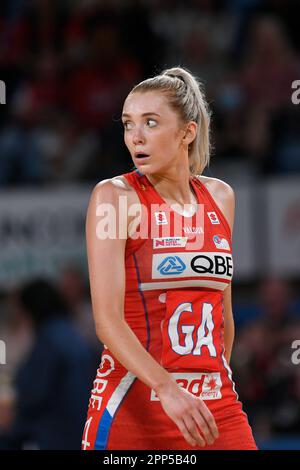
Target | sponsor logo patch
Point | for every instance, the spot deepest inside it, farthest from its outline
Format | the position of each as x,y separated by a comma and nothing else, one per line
213,218
161,218
206,386
202,264
221,242
99,385
169,242
171,265
107,365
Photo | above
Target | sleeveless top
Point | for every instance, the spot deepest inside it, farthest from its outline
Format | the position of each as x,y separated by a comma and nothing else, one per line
177,268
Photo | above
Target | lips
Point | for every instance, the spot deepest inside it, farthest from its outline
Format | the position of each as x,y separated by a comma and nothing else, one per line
141,155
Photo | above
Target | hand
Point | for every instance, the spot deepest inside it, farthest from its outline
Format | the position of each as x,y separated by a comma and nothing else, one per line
189,413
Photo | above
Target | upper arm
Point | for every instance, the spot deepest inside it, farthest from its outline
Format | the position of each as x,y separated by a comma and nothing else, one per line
106,252
225,197
227,300
227,203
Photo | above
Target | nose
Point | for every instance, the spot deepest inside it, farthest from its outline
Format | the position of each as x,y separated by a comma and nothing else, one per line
138,136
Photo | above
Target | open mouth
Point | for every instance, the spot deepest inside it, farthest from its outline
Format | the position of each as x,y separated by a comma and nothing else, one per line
142,155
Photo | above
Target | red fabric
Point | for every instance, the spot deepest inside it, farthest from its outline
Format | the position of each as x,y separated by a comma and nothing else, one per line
141,424
191,335
191,270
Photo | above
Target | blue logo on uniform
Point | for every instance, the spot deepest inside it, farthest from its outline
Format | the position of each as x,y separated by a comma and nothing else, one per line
217,239
171,265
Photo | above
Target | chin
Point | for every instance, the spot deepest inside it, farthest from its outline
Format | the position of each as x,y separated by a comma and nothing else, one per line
146,169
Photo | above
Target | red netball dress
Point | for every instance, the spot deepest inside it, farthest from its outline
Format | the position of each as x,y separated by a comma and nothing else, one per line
177,268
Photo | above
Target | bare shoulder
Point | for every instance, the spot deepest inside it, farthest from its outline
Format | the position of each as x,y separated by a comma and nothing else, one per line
111,188
217,187
223,195
117,185
107,194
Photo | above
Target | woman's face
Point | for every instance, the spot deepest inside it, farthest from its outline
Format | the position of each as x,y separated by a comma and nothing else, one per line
152,128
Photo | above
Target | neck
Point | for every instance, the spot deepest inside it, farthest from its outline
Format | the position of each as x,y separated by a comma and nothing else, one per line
174,186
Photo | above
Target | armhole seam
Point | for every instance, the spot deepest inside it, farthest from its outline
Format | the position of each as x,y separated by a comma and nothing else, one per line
131,252
219,211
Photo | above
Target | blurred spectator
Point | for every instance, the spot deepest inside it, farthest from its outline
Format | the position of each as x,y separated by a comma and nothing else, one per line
287,11
42,91
21,160
69,66
256,141
68,152
52,385
16,332
94,91
268,381
286,138
74,288
269,66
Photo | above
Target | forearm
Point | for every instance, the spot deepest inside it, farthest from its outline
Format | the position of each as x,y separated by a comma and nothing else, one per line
119,338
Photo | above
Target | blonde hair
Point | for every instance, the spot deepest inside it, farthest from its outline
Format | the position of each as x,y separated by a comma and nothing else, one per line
185,94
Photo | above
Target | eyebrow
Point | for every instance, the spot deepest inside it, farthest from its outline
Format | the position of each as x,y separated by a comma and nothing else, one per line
144,114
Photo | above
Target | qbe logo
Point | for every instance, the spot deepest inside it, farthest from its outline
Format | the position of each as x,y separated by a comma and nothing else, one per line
99,385
2,92
213,264
171,265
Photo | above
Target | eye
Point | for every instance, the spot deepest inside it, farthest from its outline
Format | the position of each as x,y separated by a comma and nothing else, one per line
151,122
127,125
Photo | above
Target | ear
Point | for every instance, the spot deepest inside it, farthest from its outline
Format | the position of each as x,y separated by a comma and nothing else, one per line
190,133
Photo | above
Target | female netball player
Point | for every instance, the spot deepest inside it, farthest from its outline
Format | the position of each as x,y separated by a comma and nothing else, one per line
161,283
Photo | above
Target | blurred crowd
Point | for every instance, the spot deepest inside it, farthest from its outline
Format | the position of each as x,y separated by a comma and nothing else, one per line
53,354
265,362
68,66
